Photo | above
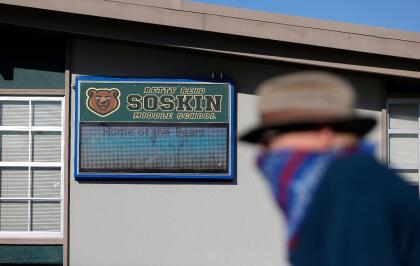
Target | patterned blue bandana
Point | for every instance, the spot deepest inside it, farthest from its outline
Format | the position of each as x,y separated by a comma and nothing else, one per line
294,177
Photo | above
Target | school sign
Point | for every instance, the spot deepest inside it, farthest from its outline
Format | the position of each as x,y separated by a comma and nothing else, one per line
154,129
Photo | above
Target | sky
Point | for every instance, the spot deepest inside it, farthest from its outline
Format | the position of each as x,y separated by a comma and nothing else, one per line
394,14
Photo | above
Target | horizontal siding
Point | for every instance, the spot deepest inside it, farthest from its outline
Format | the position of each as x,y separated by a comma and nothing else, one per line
31,254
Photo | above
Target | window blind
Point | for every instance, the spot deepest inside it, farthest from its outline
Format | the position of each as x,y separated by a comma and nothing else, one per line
14,113
30,188
14,182
46,114
46,216
14,146
13,216
46,146
403,116
403,139
46,183
411,176
403,149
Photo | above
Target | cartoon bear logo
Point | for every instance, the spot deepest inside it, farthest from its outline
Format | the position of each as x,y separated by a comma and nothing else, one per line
103,102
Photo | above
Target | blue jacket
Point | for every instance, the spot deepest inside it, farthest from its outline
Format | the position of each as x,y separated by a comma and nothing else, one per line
362,215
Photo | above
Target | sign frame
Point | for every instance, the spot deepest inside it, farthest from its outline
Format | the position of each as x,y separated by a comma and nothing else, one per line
221,177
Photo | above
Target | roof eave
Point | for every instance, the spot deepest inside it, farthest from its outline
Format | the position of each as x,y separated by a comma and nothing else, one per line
234,21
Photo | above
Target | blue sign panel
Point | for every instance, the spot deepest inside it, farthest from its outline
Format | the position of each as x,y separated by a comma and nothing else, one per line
154,129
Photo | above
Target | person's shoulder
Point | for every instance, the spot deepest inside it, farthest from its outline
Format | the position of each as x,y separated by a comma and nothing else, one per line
360,165
362,173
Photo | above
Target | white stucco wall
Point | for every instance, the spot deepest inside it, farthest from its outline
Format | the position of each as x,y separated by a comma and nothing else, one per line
181,224
178,224
369,103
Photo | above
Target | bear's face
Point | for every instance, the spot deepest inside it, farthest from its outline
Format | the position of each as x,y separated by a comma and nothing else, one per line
103,101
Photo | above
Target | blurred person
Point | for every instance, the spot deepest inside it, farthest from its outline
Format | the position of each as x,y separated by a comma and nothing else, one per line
341,205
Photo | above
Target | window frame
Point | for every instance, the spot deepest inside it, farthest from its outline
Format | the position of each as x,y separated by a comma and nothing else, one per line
390,131
29,165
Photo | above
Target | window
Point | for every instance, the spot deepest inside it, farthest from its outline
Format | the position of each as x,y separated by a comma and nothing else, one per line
31,166
403,138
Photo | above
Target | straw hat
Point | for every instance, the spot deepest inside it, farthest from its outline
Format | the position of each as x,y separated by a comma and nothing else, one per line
304,101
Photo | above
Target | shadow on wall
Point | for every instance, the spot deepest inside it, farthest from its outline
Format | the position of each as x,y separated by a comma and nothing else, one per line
31,59
210,40
91,57
118,59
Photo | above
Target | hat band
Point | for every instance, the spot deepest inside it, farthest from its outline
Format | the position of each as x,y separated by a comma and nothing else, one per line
287,117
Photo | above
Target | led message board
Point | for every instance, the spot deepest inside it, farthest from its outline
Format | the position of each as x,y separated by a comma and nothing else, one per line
153,129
